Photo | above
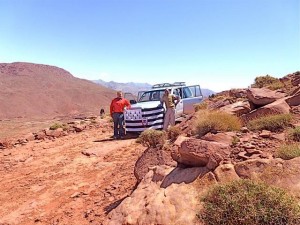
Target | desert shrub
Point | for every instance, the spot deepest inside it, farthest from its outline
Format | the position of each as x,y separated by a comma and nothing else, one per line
200,106
276,85
210,121
270,122
173,132
152,138
288,151
59,125
294,134
246,202
268,82
235,140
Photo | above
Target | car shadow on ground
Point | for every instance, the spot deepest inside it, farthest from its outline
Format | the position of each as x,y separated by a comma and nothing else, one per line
126,137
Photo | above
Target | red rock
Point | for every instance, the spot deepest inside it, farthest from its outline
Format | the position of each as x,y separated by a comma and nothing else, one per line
196,152
238,108
263,96
293,100
265,134
29,137
225,138
278,107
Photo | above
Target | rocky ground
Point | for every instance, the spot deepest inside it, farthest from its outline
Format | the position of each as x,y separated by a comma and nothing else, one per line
79,175
75,179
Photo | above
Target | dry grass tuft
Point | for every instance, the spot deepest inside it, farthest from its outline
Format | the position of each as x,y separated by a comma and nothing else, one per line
200,106
212,121
173,132
294,134
288,151
152,138
58,125
245,202
271,122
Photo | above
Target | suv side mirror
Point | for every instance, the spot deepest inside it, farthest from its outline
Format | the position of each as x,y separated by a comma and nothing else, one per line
132,101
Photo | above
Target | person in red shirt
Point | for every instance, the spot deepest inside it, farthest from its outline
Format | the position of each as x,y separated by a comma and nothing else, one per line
117,107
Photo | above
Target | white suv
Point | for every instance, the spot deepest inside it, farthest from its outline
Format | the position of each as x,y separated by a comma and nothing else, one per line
147,112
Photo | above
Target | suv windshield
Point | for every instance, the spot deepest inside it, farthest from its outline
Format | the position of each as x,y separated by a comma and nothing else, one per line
153,95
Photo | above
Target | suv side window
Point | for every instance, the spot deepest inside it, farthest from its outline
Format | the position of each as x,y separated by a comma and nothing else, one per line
187,93
177,92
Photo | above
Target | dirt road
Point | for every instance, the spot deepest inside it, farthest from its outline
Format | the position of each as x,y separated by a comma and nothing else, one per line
75,179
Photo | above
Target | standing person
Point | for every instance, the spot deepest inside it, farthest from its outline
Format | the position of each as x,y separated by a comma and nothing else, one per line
117,107
169,100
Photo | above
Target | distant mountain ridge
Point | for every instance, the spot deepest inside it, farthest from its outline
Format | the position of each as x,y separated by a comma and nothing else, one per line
134,88
130,87
30,90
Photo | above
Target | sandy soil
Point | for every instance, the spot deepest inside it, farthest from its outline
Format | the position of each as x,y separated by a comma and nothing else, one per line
76,179
17,128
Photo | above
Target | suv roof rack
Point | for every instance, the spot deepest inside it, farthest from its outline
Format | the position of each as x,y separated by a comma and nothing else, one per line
168,85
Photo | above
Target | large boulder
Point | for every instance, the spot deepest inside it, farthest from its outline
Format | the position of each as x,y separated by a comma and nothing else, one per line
296,78
152,157
263,96
280,106
295,91
277,172
294,100
152,204
238,108
196,152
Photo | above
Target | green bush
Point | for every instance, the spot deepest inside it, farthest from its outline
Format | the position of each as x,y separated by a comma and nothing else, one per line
208,121
173,132
268,82
294,134
59,125
270,122
246,202
288,151
152,138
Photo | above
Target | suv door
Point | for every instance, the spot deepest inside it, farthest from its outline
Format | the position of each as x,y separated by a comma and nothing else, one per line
179,107
191,95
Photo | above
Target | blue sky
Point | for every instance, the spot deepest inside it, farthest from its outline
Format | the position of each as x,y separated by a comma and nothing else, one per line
219,44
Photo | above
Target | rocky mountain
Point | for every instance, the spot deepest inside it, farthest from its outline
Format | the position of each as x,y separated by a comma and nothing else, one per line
134,88
30,90
130,87
207,92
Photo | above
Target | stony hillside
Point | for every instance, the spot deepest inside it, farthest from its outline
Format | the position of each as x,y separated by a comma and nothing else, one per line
238,143
39,91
